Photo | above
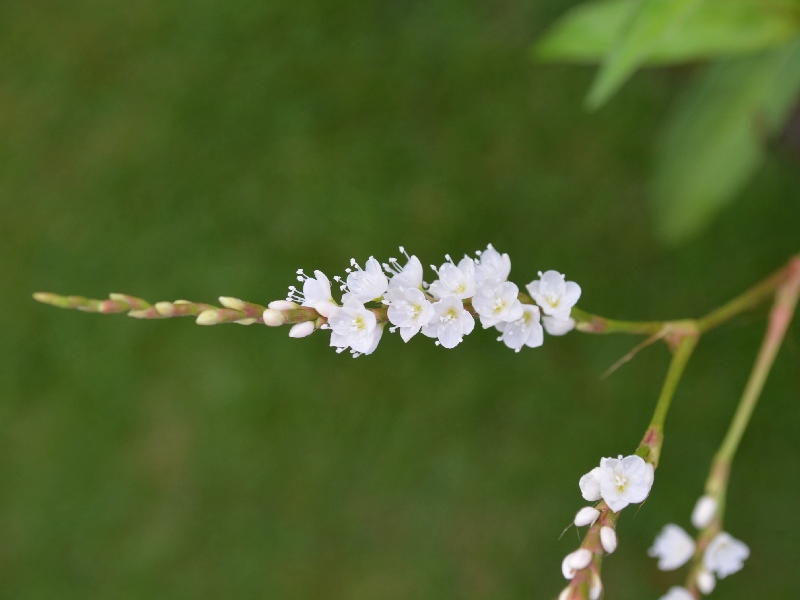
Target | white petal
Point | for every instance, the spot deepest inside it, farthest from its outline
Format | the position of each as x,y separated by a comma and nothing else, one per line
590,486
704,511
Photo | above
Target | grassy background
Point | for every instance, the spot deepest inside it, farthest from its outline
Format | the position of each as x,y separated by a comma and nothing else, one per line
191,149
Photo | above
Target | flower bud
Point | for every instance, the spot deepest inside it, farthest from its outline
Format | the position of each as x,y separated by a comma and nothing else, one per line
301,329
608,537
575,561
232,303
207,317
706,582
704,511
596,587
282,305
273,318
586,516
564,595
164,308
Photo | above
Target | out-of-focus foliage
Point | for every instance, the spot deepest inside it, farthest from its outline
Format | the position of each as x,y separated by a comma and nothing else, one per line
715,140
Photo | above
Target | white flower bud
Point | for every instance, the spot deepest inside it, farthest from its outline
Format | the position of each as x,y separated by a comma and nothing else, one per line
596,587
282,305
273,317
608,537
706,582
575,561
586,516
207,317
564,595
247,321
165,309
677,593
302,329
232,303
704,511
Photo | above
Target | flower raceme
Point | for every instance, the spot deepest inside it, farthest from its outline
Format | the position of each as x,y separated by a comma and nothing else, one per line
445,309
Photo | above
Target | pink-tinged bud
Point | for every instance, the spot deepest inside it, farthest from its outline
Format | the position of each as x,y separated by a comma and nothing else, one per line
324,307
302,330
248,321
207,317
232,303
704,512
273,318
164,308
586,516
282,305
608,537
575,562
706,582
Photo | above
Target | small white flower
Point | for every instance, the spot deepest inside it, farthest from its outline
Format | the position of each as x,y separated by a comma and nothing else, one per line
365,284
409,276
492,268
458,281
706,582
725,555
409,310
353,326
497,304
316,293
624,481
554,326
450,322
586,516
608,538
554,295
302,330
575,561
704,511
590,485
525,331
673,547
677,593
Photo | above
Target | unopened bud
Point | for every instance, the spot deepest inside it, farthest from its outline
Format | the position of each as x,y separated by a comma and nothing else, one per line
164,308
232,303
207,317
575,561
324,307
282,305
302,329
586,516
564,595
273,318
608,537
248,321
704,511
706,582
596,587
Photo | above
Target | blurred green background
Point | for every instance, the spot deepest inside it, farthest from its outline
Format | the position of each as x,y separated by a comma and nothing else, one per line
192,149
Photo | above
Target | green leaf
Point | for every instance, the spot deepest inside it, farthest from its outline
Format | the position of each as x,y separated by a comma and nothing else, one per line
717,28
715,141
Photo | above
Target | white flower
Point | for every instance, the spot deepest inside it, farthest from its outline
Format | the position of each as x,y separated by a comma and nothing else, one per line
608,538
590,485
575,562
450,322
725,555
677,593
493,267
365,284
704,511
673,547
555,326
706,582
497,304
316,293
586,516
525,331
624,481
353,326
409,276
409,310
554,295
458,281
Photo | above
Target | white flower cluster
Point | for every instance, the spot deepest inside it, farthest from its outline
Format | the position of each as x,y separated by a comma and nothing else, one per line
723,556
442,310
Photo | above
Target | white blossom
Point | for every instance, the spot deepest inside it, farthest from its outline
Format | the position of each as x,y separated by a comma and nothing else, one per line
301,330
575,561
704,511
725,555
706,582
608,538
409,276
624,481
354,326
454,280
673,547
492,268
497,304
365,284
409,310
450,322
525,331
554,326
677,593
586,516
316,293
590,485
554,295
